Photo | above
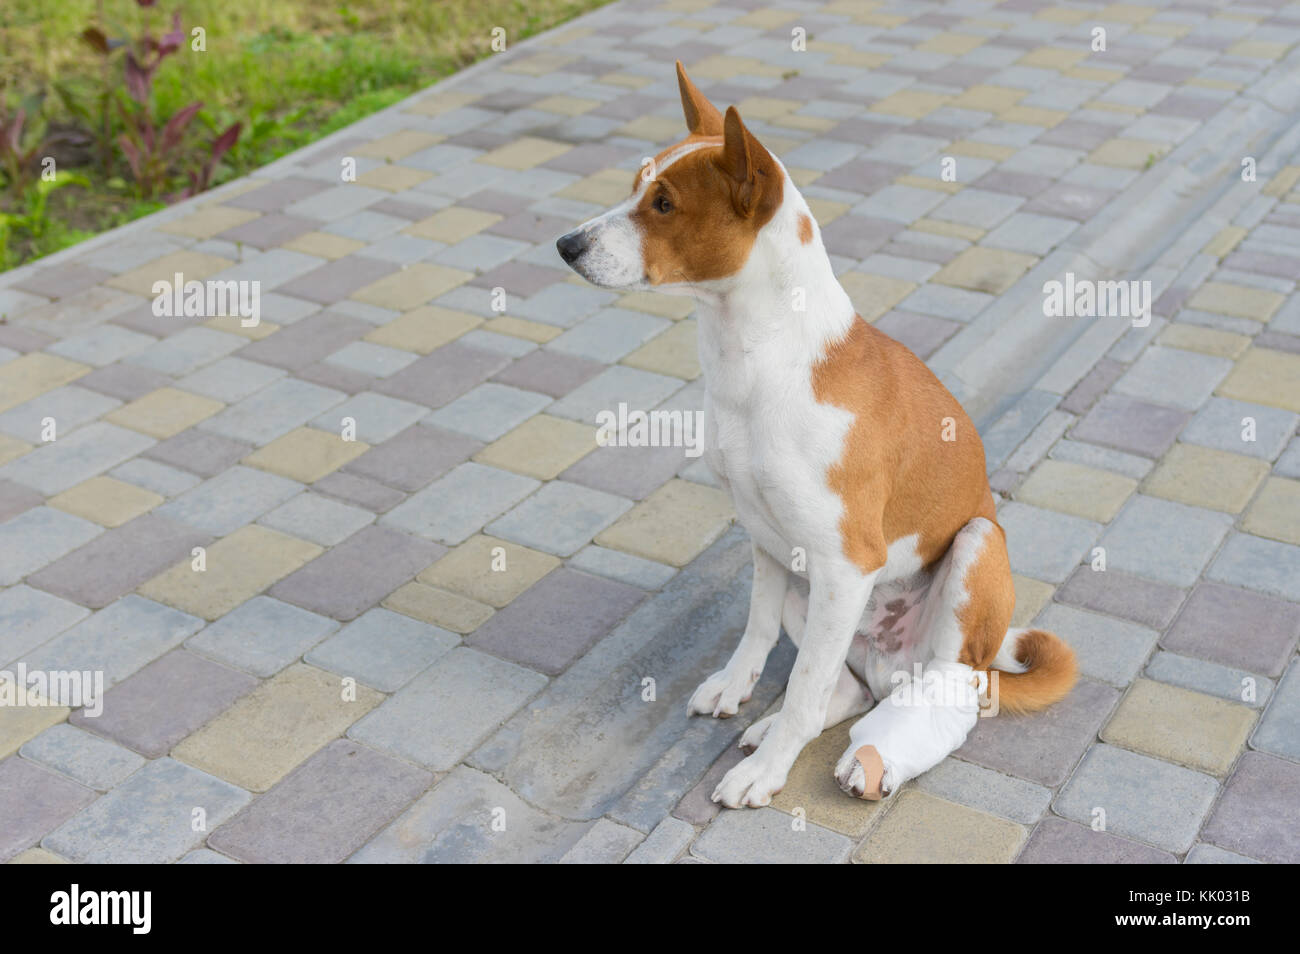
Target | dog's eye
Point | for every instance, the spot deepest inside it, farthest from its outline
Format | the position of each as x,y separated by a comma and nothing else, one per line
662,205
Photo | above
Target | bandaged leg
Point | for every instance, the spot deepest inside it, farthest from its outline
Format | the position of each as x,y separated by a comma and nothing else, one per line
922,721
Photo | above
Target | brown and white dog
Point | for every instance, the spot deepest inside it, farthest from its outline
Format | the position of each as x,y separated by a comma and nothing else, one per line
843,454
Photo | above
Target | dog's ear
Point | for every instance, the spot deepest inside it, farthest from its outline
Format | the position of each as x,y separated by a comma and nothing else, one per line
751,168
702,117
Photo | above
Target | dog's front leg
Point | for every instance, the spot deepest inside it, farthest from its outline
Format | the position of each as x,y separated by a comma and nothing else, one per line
722,693
838,594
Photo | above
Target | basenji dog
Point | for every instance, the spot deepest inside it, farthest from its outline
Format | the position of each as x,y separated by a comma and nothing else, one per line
858,475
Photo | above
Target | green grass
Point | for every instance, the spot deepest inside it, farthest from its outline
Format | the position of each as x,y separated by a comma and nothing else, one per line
291,71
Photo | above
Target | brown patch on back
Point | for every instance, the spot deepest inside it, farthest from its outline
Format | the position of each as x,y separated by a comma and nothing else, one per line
805,229
897,476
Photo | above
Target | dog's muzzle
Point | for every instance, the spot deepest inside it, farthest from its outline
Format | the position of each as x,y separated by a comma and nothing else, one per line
572,245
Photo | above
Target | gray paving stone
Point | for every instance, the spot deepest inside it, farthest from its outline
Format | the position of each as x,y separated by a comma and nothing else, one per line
230,500
1235,685
33,801
560,518
275,410
359,491
454,507
1129,425
1056,841
37,537
562,304
230,379
151,475
1164,540
69,406
368,358
123,381
164,702
261,636
377,416
29,617
548,372
412,458
88,759
444,375
1031,233
623,567
306,341
1120,594
1108,649
186,350
321,520
383,649
1276,732
1044,544
15,498
437,718
632,472
199,452
489,411
87,452
664,844
986,790
1184,379
148,818
1091,455
205,856
944,301
470,818
1203,854
639,390
767,836
1259,564
609,334
1261,792
1264,630
980,208
324,810
118,640
605,843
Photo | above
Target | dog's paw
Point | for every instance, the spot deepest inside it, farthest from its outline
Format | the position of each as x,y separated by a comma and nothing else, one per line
849,775
721,695
860,772
750,783
753,736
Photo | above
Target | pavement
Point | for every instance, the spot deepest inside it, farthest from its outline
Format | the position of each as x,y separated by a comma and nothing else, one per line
362,586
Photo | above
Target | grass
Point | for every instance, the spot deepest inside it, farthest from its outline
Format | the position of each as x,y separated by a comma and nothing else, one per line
291,71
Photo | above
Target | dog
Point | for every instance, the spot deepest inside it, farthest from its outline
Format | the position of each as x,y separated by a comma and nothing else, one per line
859,477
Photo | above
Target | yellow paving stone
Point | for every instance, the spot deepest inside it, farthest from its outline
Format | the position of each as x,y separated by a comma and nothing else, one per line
672,352
954,229
990,99
675,307
980,150
1258,49
861,59
985,269
539,64
1033,116
1126,108
324,245
412,286
273,729
1076,489
36,856
193,266
651,128
11,448
398,145
439,607
232,190
1241,301
921,182
1206,477
811,787
1094,74
534,331
1165,29
1225,344
443,102
1179,725
239,567
209,221
234,324
922,829
630,80
887,20
164,413
489,570
23,722
424,329
34,373
673,525
1127,153
453,224
1061,14
566,105
1031,596
766,19
108,502
1286,179
873,295
1209,83
1053,57
1276,511
954,44
766,107
567,36
911,102
306,454
1125,13
606,187
524,153
1227,239
722,66
826,211
393,178
541,447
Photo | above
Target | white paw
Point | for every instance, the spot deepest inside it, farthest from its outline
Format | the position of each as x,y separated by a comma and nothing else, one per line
721,694
849,775
753,736
750,783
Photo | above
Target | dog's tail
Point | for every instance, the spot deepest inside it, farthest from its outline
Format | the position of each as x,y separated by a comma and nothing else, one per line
1035,669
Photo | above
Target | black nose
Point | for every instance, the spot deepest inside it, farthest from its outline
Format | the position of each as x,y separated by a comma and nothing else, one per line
572,245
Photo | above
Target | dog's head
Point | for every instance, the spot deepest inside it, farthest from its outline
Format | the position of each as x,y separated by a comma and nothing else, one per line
695,210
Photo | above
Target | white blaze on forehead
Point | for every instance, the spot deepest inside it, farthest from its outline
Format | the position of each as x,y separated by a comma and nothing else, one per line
659,165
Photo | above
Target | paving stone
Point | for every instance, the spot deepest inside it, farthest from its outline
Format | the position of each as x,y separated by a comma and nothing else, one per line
1163,540
489,570
36,538
549,373
85,453
1072,488
1120,594
1235,685
94,762
1091,455
1275,513
164,413
106,501
202,856
557,620
262,636
1203,854
1265,376
1205,477
272,411
148,818
1264,629
985,269
30,617
1056,841
811,793
1181,726
355,575
1225,424
1276,732
440,377
454,824
605,843
306,341
1173,376
560,518
115,563
360,491
1119,783
382,649
623,567
985,790
697,806
540,447
1045,746
15,499
1044,544
1110,650
158,478
614,386
306,454
324,810
33,374
338,280
412,458
663,845
920,828
476,495
319,519
460,614
632,472
186,351
69,406
229,500
230,379
1259,564
673,525
1129,425
767,836
489,411
34,801
1245,819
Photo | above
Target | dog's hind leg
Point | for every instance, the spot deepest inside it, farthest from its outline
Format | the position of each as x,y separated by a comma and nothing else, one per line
722,693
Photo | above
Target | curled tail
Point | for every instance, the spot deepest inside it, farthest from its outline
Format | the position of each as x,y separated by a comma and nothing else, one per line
1035,669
